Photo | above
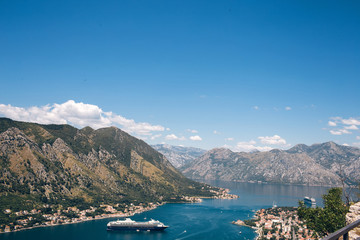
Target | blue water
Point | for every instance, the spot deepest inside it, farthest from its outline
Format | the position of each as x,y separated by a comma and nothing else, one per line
210,219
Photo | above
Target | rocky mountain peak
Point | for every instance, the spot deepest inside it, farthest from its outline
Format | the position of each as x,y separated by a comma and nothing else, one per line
12,133
276,151
179,156
13,138
86,130
330,145
219,153
299,148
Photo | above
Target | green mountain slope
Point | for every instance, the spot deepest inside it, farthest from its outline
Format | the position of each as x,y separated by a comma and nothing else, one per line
60,164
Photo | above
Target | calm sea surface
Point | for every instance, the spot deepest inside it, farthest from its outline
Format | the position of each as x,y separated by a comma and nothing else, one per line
210,219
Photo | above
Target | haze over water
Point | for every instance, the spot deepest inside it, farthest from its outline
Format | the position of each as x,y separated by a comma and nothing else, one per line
210,219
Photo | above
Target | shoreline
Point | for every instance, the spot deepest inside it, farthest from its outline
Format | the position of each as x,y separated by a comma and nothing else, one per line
223,193
86,220
257,230
278,222
265,183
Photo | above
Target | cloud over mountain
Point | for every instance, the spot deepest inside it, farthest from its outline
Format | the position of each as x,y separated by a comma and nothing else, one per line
78,114
195,138
274,140
343,125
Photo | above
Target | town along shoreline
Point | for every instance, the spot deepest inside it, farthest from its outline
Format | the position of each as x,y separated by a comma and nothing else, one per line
278,223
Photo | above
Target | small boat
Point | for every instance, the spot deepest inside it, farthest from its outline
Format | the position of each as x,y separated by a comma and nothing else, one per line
310,202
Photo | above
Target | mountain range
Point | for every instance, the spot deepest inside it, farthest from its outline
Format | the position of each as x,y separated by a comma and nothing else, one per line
319,164
60,163
178,155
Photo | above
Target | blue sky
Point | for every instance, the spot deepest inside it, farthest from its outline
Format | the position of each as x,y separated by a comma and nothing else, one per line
241,74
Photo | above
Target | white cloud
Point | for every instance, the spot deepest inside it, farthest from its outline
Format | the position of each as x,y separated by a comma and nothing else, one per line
339,132
245,146
196,138
345,144
129,125
229,139
358,137
345,126
351,127
356,144
264,149
350,121
192,130
332,124
287,108
274,140
155,136
335,132
256,107
174,137
171,137
250,146
344,131
78,114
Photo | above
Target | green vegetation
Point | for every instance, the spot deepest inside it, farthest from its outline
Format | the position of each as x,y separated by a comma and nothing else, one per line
15,203
71,214
328,219
87,168
250,222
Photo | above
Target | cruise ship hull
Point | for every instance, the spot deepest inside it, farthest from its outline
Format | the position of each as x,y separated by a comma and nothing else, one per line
130,225
135,228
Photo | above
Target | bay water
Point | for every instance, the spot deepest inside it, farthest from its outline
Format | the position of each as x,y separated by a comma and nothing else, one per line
210,219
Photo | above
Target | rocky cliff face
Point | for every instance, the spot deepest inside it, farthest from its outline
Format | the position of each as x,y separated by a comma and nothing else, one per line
320,164
51,163
352,216
179,156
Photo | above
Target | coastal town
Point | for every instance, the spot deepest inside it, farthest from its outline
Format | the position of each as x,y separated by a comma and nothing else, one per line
47,215
278,223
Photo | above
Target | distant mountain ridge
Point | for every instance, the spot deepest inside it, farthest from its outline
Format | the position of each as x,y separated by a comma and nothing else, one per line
318,164
55,163
178,155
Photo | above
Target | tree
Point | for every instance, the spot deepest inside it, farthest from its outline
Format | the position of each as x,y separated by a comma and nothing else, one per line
347,186
328,219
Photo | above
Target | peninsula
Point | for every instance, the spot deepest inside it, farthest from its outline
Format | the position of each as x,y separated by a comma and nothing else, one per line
278,223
